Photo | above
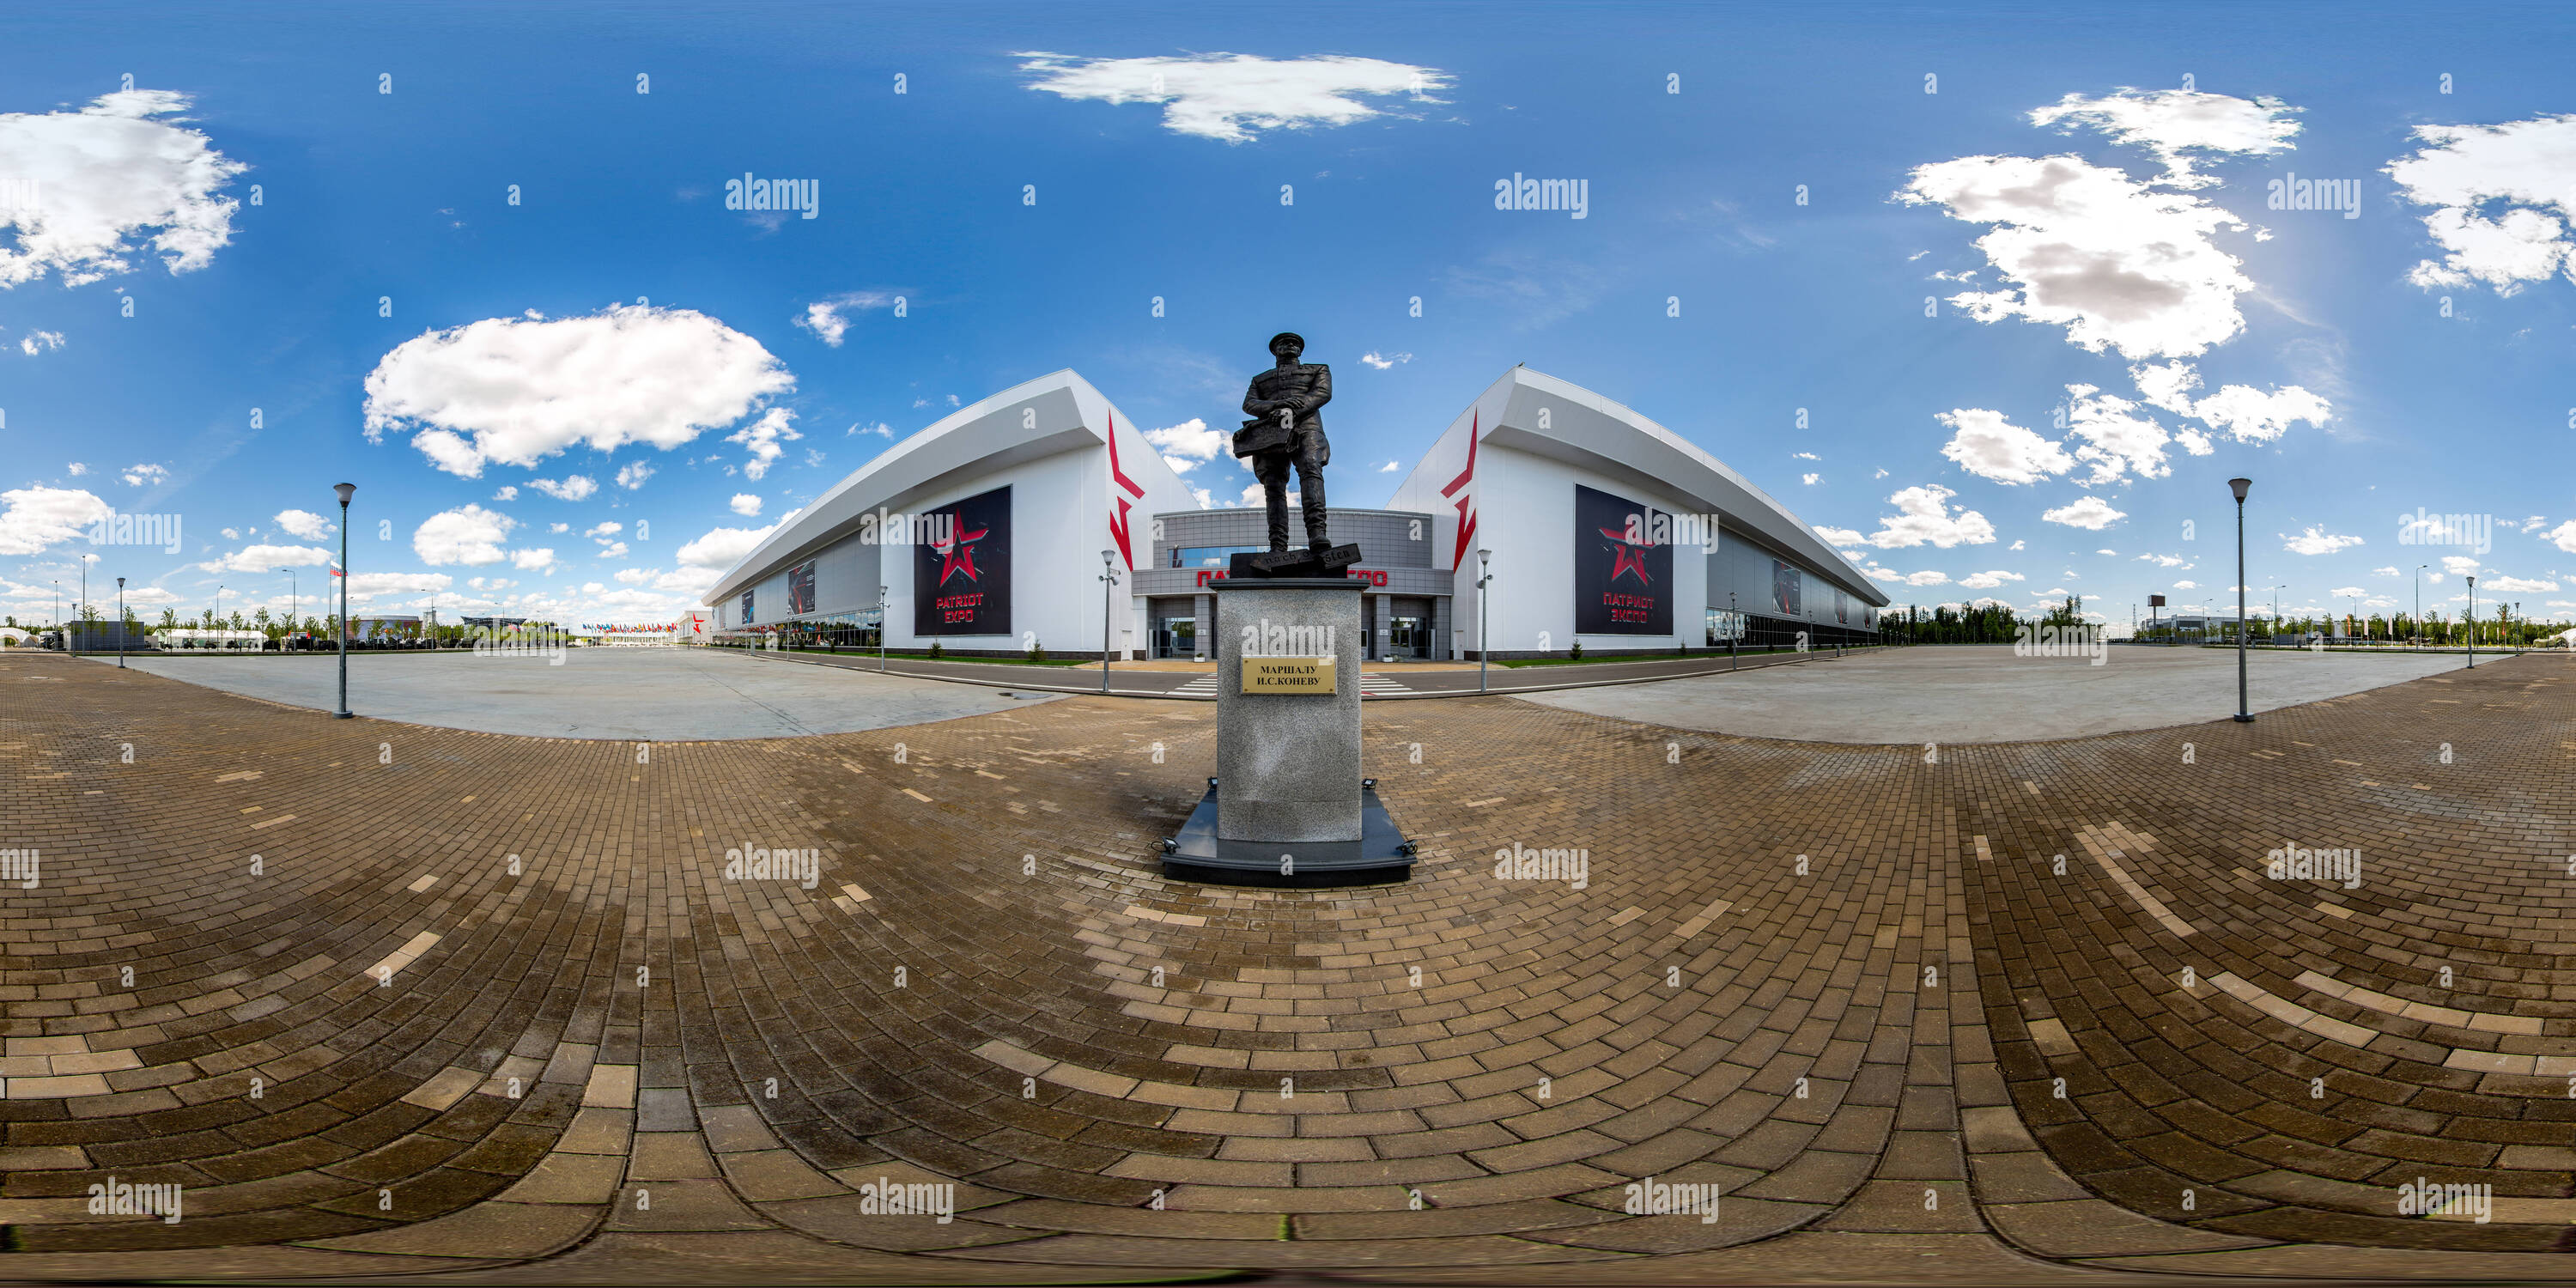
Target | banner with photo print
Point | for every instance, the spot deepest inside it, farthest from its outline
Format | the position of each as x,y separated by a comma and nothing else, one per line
1623,585
1788,589
962,585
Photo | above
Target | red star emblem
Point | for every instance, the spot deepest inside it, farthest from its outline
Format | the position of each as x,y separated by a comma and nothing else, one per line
958,554
1630,557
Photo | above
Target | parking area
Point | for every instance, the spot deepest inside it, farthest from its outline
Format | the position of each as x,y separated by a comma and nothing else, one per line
655,694
1983,693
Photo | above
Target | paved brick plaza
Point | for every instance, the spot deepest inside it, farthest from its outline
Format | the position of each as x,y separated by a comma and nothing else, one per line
1863,1056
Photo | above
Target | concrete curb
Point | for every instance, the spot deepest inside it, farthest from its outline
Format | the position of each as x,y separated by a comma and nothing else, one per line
1513,691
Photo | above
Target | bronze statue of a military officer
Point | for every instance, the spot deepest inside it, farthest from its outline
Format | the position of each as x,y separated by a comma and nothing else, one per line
1285,432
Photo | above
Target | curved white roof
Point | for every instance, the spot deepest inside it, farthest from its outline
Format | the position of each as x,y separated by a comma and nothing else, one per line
1057,412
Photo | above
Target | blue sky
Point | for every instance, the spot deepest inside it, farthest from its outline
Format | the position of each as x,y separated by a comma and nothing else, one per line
2139,325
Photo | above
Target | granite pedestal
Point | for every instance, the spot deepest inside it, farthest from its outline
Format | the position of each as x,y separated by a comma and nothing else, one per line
1288,806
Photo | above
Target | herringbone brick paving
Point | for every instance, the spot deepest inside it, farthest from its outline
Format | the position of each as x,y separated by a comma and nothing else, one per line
484,1000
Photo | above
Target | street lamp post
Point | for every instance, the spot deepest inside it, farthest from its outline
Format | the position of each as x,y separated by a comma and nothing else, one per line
341,627
2239,486
1484,648
82,607
2419,604
2473,623
290,604
1734,630
881,627
219,606
1108,584
120,624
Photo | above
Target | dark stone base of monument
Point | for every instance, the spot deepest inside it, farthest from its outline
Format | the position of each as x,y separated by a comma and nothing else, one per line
1380,857
1331,561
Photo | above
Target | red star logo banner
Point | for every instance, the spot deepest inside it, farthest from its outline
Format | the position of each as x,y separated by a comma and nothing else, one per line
1631,556
1465,499
1118,526
957,554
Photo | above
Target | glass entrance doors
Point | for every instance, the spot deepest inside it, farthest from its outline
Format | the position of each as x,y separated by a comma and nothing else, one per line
1408,637
1176,637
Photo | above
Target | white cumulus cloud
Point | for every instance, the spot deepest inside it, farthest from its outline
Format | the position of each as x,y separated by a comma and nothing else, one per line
1989,580
2090,513
2085,247
824,317
1990,447
2247,414
146,475
722,548
630,476
34,518
264,558
575,488
303,523
110,181
761,439
2502,199
2174,123
1231,97
469,535
1924,516
2317,541
514,391
1187,445
745,503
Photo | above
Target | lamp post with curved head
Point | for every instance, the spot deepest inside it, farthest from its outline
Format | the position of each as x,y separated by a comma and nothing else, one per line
1484,648
2473,623
2239,486
2417,635
342,626
881,627
120,624
1108,583
290,607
